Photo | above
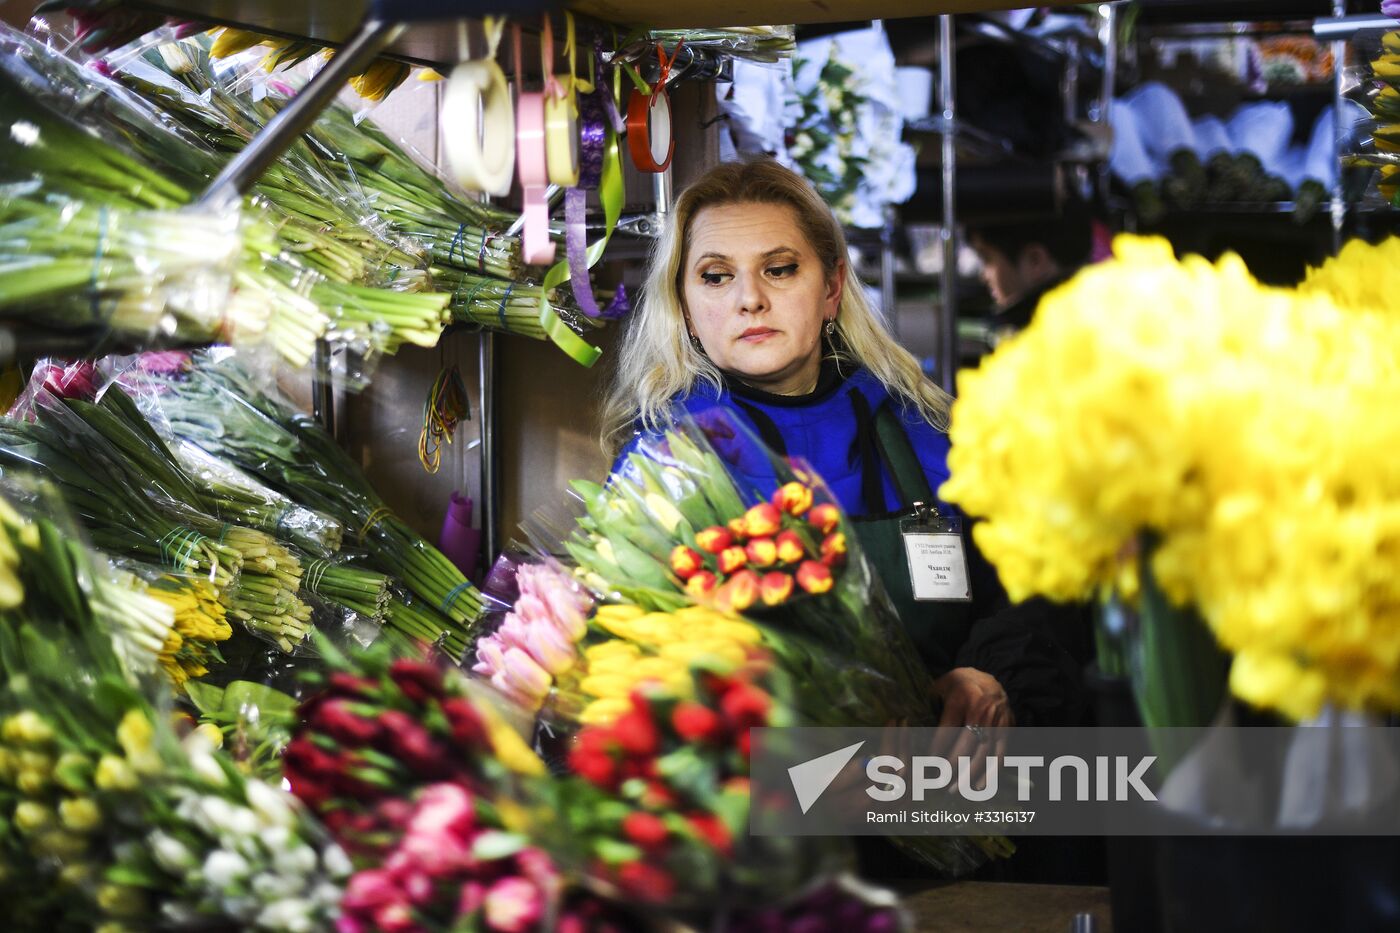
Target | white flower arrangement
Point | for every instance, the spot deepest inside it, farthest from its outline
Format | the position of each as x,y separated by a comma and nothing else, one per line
846,129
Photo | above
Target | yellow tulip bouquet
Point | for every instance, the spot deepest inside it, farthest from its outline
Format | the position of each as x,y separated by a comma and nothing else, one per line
1174,433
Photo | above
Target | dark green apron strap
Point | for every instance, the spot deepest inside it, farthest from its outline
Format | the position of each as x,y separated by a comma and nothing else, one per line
938,630
897,452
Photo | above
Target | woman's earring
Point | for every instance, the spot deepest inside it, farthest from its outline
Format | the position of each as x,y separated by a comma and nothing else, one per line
830,329
695,342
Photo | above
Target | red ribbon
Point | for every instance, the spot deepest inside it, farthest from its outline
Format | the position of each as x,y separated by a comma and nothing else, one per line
642,109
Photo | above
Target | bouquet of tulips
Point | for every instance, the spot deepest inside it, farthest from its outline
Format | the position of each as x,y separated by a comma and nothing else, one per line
212,403
677,526
647,714
419,781
89,442
199,622
694,566
110,820
655,806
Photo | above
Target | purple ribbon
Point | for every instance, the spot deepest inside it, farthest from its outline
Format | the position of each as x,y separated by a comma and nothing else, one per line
603,83
576,245
593,138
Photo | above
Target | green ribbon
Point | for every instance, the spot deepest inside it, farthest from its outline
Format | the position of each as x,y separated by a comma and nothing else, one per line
611,193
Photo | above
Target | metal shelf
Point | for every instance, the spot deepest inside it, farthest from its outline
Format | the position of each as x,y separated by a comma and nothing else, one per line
1178,12
334,20
1228,30
1345,27
973,143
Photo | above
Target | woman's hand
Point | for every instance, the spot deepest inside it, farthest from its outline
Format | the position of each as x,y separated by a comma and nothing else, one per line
973,700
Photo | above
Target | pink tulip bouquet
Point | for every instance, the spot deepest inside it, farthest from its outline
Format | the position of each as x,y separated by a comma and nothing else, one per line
450,869
538,640
426,789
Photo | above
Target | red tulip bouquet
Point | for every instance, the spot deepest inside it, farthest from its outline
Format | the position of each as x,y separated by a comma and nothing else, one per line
654,808
415,779
680,524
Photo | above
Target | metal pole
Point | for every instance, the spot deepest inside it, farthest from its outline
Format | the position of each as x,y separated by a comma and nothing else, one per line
948,280
1343,27
243,171
888,297
1339,129
490,473
1108,35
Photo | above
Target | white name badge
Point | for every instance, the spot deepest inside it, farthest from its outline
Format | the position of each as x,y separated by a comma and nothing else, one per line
937,560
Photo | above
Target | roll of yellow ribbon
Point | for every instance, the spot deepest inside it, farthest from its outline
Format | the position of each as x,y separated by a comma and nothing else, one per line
561,140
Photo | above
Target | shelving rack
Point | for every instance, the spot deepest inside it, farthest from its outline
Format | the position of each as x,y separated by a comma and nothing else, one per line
1257,18
960,141
425,32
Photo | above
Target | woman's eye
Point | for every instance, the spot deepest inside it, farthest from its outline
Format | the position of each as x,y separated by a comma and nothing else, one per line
714,278
782,272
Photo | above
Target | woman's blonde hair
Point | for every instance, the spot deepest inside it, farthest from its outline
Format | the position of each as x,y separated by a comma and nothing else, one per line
657,362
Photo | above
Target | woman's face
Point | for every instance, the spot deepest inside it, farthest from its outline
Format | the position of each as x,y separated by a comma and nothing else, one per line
757,297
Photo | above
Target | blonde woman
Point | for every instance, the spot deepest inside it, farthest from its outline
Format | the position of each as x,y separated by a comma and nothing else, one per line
749,307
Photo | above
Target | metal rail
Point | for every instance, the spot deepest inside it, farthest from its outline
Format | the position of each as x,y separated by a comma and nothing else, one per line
244,170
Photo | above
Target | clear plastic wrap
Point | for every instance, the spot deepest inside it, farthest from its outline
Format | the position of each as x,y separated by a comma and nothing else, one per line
256,505
316,260
111,438
182,162
656,801
88,267
200,620
752,43
124,512
103,785
1375,84
694,570
366,592
214,403
675,528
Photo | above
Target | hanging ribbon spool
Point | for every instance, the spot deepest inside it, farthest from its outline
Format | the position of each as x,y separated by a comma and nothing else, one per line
649,121
478,124
532,165
601,168
560,110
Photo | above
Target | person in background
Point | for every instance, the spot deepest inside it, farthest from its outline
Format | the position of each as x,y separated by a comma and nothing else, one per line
748,308
1021,261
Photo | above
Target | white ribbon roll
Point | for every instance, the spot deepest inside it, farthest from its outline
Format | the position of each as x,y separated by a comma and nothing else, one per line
478,127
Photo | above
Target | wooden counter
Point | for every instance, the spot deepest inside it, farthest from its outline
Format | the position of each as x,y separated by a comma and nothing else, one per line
984,906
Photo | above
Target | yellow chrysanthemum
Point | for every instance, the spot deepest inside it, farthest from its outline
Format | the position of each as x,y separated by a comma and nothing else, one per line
1249,429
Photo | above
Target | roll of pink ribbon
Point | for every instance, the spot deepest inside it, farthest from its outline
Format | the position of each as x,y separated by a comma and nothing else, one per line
532,167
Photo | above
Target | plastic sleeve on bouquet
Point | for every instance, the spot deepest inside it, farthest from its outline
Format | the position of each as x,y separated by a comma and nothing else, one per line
660,789
139,274
245,498
753,43
683,523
